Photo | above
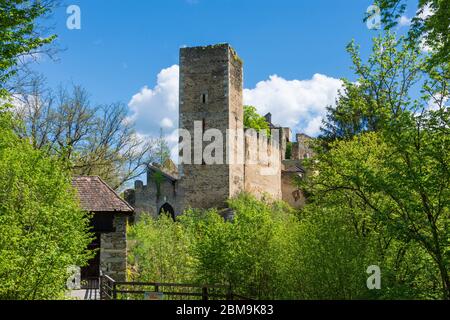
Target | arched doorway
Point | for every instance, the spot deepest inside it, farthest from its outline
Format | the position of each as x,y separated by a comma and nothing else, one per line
168,209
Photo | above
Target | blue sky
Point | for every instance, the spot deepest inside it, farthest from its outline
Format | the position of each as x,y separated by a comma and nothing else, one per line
123,46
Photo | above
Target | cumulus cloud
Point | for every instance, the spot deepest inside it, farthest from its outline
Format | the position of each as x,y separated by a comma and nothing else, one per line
425,12
424,46
155,108
298,104
404,21
437,102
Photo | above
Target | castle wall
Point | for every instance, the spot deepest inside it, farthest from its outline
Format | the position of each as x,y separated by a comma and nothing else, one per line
301,148
262,178
145,200
290,193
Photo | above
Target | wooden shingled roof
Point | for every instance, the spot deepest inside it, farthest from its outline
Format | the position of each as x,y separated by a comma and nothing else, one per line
96,196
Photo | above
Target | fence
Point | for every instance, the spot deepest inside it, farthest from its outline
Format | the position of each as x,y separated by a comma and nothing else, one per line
118,290
91,287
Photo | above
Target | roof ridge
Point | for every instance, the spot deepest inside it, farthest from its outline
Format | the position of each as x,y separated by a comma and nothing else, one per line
96,195
117,195
169,176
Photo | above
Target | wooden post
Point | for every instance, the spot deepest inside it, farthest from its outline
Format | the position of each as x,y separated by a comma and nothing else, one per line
205,293
114,293
229,293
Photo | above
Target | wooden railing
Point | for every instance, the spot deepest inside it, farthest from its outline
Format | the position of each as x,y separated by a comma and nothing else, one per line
113,290
92,287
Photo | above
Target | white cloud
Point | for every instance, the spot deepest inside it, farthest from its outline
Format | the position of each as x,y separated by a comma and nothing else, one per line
425,12
166,123
313,127
404,21
298,104
437,102
155,108
424,46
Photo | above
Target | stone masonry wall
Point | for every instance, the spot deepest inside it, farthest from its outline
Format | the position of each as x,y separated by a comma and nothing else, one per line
262,177
291,194
144,199
236,123
210,93
301,149
113,250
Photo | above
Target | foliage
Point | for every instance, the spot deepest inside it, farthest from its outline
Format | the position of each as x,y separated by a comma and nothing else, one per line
288,153
332,257
92,140
255,121
384,87
250,254
373,187
43,230
390,169
159,251
19,34
430,25
157,177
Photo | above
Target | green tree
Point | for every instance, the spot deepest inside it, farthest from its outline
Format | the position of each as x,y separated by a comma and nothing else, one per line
19,33
43,230
254,253
375,198
255,121
160,251
383,88
395,175
430,24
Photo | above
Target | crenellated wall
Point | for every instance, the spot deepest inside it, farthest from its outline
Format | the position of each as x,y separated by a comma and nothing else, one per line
262,166
145,199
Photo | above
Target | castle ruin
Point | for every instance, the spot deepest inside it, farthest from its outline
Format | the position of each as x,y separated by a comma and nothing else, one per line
211,100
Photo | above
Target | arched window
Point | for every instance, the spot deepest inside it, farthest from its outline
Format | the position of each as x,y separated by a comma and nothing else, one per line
168,209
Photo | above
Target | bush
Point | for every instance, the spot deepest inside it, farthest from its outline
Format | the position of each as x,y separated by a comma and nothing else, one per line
253,254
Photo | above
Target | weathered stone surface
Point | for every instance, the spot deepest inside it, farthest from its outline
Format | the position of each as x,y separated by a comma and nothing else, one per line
301,148
113,250
263,178
216,73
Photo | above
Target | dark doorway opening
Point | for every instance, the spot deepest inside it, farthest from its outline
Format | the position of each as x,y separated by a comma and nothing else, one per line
168,209
92,270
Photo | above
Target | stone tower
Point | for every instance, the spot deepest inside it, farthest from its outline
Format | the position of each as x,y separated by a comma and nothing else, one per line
210,96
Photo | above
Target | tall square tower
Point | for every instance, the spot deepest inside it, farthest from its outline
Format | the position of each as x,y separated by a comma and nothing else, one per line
211,98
